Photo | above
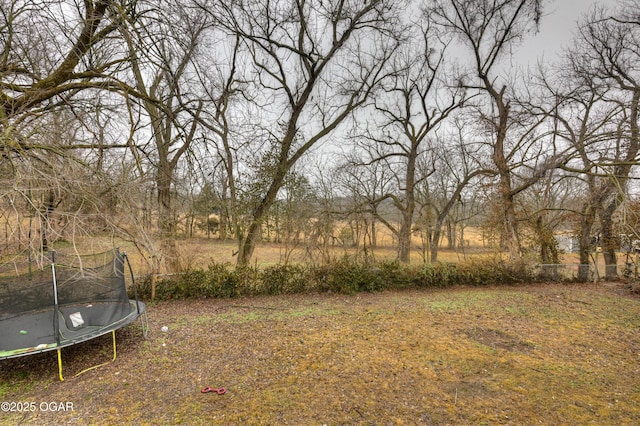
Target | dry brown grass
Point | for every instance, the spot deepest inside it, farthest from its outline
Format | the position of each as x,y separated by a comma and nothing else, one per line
198,252
201,251
531,355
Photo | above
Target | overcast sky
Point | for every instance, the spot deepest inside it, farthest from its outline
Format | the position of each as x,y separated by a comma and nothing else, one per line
556,29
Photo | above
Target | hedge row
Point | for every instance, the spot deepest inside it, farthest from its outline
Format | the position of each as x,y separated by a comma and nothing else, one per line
346,276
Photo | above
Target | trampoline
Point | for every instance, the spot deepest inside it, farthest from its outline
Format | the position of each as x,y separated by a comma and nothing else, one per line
60,301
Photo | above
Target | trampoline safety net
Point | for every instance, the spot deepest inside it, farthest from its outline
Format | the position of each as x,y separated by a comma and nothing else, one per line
57,300
28,286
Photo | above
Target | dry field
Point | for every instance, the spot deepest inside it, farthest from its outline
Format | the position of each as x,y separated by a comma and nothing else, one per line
199,251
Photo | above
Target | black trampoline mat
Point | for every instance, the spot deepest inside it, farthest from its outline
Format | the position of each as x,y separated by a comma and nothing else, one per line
33,332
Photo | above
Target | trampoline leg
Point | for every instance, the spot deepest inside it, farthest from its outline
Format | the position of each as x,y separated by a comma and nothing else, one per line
144,322
60,366
113,334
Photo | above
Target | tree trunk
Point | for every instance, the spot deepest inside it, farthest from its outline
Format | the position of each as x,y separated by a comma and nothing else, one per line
461,242
224,223
451,235
509,222
404,239
609,240
248,243
434,241
404,233
586,228
547,242
374,238
45,221
166,221
621,172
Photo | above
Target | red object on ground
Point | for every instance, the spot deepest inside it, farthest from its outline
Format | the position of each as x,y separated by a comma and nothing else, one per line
219,391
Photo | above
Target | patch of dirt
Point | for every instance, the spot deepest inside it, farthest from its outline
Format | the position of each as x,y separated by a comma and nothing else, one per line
498,339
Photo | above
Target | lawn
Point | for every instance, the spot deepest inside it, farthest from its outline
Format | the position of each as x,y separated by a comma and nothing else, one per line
546,354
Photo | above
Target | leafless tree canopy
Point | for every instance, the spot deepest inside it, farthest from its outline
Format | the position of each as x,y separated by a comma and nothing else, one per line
315,123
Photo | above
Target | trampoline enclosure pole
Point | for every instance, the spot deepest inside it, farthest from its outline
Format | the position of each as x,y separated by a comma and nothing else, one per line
145,329
56,319
133,281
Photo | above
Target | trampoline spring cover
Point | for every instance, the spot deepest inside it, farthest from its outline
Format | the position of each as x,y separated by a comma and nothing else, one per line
32,332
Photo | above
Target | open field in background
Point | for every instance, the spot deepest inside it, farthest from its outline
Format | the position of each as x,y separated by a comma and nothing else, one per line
545,354
198,252
201,252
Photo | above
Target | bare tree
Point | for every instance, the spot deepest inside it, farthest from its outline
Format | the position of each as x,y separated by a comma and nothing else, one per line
316,63
162,49
221,118
416,101
585,120
66,195
489,30
321,237
457,165
368,182
60,63
47,59
604,63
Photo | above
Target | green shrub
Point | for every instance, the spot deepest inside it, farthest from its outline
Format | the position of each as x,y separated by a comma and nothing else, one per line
219,280
488,272
165,287
222,281
347,275
438,275
284,279
396,275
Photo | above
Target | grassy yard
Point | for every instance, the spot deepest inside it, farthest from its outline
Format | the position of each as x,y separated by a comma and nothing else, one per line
550,354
